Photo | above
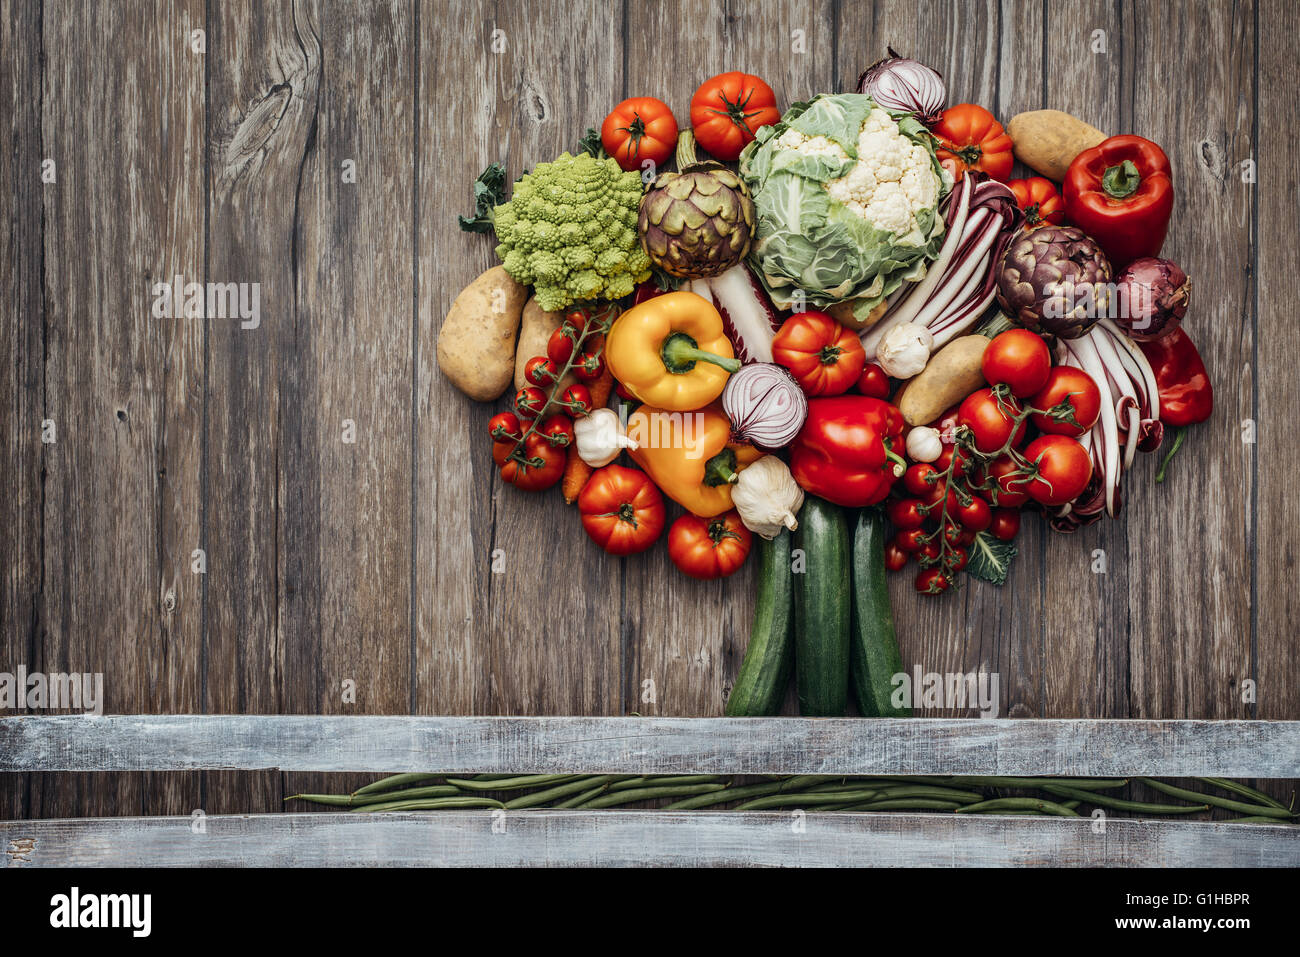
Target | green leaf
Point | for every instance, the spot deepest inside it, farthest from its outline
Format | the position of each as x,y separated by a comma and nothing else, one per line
489,192
990,558
590,143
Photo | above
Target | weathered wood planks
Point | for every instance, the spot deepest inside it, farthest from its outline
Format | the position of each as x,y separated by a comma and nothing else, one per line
636,838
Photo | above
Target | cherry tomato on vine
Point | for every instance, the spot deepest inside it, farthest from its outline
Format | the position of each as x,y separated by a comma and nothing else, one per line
1012,484
917,479
932,581
874,381
709,548
558,429
946,456
622,510
727,111
560,346
975,515
503,425
909,541
970,137
1018,358
929,554
1005,524
540,370
1064,468
529,401
955,535
589,367
895,557
578,398
1066,383
542,467
956,559
904,513
639,129
983,414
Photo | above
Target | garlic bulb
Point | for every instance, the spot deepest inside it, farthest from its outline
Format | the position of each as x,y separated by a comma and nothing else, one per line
600,437
767,498
905,350
924,444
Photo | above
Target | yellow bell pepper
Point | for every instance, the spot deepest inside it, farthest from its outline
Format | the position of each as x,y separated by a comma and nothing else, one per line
671,352
689,455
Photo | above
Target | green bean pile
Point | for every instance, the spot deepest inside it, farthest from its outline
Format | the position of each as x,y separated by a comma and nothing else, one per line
1061,797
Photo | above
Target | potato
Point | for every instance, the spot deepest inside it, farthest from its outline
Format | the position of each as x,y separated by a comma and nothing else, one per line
534,334
1047,141
951,374
476,346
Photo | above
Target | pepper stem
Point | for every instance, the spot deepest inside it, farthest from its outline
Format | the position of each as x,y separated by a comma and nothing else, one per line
1121,181
1179,432
721,469
680,353
900,466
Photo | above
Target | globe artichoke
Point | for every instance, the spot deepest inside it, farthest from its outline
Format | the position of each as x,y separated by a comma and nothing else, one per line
698,222
1055,280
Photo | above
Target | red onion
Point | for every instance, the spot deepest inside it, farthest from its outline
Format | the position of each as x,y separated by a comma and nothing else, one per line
765,405
903,85
1152,298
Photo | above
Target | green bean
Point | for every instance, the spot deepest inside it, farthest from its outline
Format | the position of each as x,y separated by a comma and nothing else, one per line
1244,790
580,799
395,781
1120,804
733,794
431,804
333,800
1015,804
512,784
649,793
898,804
1262,820
796,800
926,791
1248,809
406,794
666,781
1083,784
535,798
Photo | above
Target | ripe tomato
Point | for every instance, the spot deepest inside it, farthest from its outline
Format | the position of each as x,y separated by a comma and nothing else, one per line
917,479
945,459
542,467
728,109
956,559
1066,383
1040,200
895,557
560,346
639,129
540,370
1064,468
956,536
971,138
824,357
578,400
976,515
557,429
589,366
709,547
905,513
504,425
622,510
529,401
874,381
1006,523
984,416
910,541
1018,358
929,553
1012,485
932,581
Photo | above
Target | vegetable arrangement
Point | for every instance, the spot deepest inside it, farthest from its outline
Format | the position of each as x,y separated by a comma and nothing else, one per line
1060,797
849,341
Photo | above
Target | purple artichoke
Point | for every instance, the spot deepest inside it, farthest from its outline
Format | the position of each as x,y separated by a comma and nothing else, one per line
1055,280
1153,296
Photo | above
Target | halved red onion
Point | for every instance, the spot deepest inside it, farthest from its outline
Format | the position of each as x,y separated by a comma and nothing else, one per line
765,405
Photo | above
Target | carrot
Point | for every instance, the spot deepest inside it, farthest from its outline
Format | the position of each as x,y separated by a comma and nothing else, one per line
576,471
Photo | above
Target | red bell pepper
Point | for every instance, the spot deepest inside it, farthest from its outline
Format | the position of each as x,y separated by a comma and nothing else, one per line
845,452
1186,396
1120,193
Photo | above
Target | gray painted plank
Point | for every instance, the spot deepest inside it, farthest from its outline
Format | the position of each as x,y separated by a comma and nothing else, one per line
635,838
1084,747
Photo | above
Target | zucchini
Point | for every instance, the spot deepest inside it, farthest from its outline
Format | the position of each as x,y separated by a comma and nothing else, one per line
873,657
765,672
822,609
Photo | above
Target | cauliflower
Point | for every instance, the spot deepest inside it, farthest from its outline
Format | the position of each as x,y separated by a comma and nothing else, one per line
569,231
842,154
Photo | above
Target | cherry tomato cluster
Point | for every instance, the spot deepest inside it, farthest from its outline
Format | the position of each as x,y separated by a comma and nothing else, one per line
529,444
1008,445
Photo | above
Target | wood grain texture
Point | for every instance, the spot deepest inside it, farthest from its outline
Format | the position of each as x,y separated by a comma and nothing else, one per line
855,746
637,838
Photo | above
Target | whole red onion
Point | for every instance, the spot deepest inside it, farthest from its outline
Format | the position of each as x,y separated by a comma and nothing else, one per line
765,405
1152,298
904,85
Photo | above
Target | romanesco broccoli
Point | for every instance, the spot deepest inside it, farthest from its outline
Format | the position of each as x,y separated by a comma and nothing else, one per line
569,231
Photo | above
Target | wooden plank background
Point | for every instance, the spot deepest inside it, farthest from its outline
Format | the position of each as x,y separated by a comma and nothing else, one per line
366,565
